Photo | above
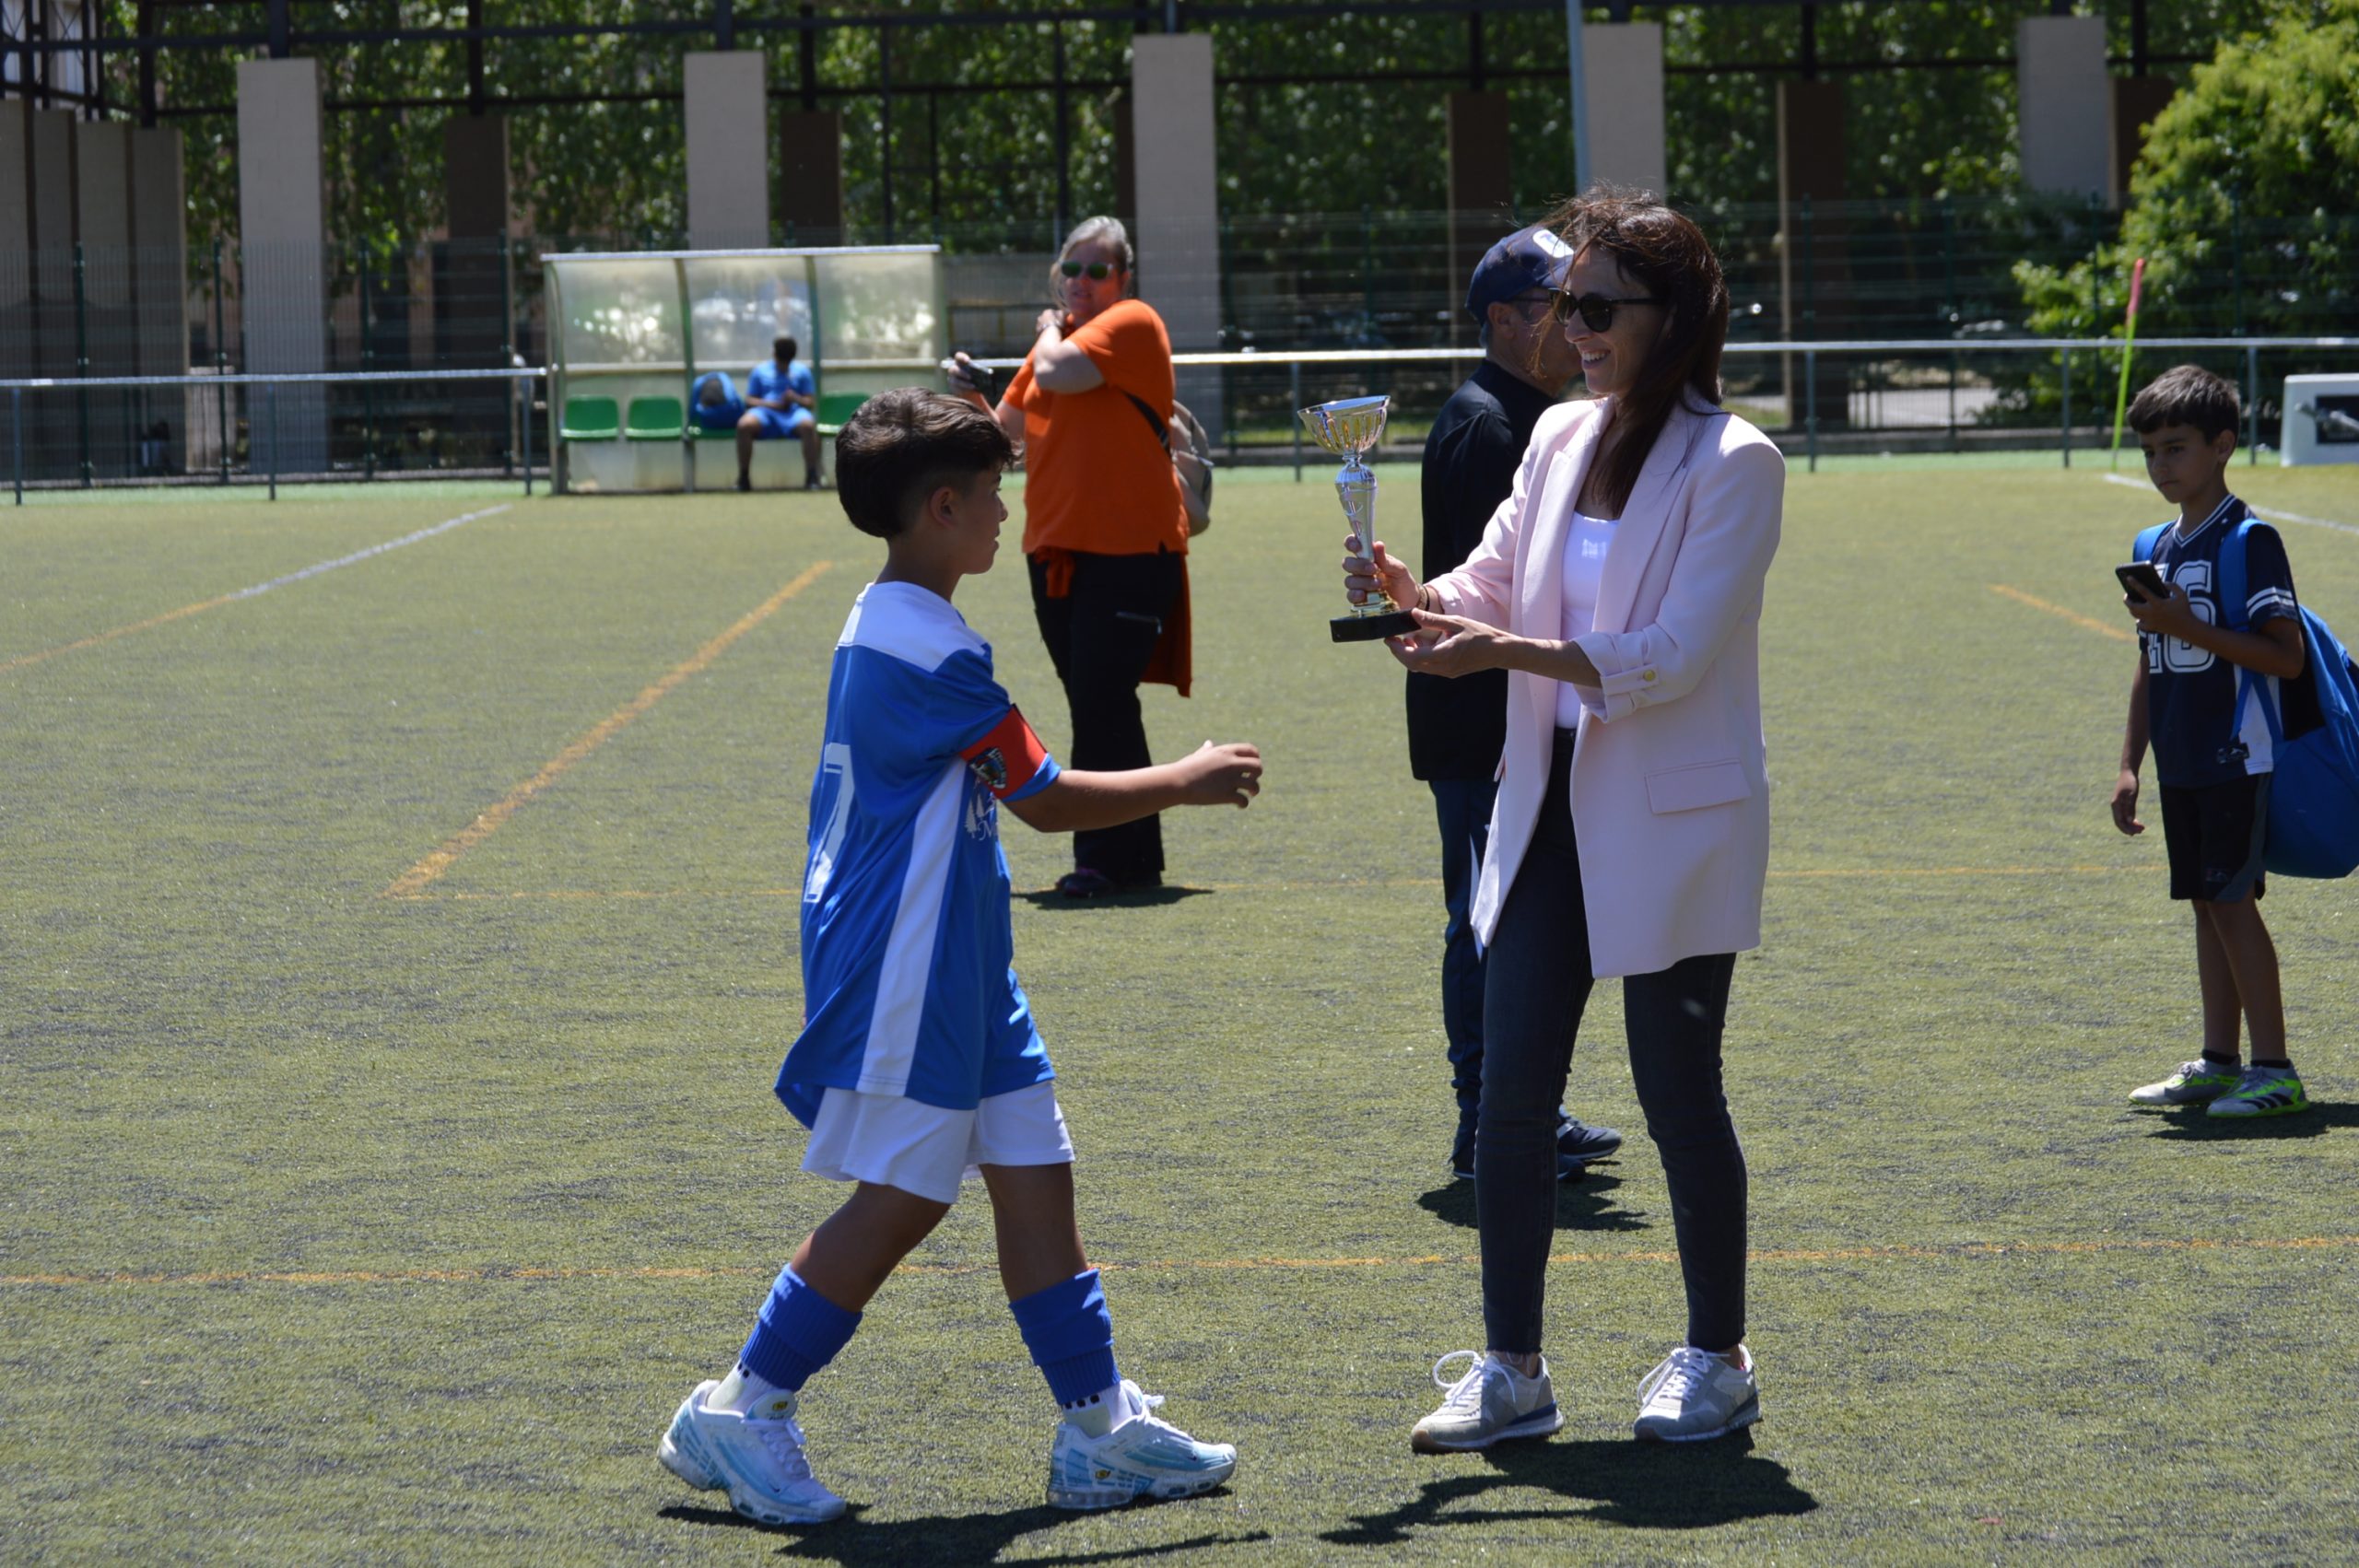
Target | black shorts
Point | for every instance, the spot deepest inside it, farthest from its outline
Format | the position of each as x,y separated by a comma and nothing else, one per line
2213,833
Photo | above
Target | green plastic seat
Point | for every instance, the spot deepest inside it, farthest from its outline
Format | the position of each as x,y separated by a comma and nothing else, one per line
654,419
590,419
834,408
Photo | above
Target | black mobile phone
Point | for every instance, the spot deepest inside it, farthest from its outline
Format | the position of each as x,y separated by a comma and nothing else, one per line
2141,578
987,381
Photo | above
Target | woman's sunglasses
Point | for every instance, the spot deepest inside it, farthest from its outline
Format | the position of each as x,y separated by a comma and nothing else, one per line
1596,310
1097,272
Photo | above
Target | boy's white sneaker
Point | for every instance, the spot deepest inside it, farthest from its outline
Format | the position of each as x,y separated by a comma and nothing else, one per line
2196,1082
1143,1456
756,1457
1693,1395
1491,1403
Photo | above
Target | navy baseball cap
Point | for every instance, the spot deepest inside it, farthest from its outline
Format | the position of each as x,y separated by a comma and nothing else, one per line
1528,258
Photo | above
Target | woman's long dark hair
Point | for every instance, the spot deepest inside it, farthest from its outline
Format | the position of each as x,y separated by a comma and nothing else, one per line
1669,259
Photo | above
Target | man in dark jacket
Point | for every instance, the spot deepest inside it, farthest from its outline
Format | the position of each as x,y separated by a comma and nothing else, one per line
1457,727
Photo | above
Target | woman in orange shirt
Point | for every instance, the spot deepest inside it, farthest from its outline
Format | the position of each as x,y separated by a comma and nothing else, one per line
1105,524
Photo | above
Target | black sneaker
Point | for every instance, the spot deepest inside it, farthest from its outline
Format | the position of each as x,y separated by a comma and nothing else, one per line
1461,1150
815,481
744,482
1576,1139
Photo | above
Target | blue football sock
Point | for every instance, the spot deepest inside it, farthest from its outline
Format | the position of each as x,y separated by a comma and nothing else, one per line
1071,1336
800,1332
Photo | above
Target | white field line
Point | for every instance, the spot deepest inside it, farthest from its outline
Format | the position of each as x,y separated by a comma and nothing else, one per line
24,661
429,533
2269,516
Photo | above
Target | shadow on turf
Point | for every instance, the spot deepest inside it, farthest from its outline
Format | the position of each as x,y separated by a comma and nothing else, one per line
1643,1485
1138,898
964,1538
2192,1125
1586,1204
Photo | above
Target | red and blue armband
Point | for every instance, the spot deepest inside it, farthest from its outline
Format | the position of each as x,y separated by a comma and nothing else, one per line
1010,759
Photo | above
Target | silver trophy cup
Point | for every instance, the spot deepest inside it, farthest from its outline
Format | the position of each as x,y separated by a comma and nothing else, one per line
1350,428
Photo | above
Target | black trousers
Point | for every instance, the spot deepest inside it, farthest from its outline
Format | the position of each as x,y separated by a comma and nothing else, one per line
1536,984
1099,638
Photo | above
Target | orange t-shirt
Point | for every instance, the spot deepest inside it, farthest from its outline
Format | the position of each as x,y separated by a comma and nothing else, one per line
1096,479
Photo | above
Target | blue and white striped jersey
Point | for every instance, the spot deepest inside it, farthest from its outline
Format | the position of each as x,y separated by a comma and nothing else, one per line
908,981
2190,692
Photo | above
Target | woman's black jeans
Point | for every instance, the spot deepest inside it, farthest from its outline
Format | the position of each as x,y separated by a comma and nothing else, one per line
1099,636
1536,984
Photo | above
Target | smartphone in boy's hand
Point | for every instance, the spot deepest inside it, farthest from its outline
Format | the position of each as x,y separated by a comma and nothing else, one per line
2140,580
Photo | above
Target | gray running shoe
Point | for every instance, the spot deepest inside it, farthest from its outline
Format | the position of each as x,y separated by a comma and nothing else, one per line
1492,1402
1692,1396
2194,1083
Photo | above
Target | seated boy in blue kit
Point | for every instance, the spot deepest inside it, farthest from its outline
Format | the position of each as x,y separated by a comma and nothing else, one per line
2212,760
919,1064
782,399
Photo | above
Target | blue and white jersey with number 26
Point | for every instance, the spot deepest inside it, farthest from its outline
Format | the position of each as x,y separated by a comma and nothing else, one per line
908,981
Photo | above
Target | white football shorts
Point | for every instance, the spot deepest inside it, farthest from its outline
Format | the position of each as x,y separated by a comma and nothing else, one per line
897,1141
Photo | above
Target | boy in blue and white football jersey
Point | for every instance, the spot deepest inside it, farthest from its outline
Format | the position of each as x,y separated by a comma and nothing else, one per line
2212,758
919,1065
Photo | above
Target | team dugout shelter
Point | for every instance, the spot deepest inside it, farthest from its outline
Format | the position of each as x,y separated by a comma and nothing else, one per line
632,333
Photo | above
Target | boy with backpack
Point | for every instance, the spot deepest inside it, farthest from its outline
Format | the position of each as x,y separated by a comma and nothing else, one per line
919,1064
2207,695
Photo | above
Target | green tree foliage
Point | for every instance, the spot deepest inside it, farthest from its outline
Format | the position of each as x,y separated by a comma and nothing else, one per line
2245,204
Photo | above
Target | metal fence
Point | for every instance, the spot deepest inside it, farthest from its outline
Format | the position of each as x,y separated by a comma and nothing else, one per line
1918,309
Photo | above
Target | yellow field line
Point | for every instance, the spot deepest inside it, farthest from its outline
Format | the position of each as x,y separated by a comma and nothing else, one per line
414,880
259,589
21,660
645,894
2020,597
1972,1249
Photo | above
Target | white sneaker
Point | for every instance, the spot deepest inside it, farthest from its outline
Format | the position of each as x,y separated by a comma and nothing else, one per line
1492,1402
1143,1456
1692,1396
758,1457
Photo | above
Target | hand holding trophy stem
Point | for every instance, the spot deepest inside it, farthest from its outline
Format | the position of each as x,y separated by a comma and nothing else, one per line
1350,427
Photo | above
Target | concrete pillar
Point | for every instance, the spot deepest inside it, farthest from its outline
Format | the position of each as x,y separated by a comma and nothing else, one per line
1178,229
15,239
473,293
1482,196
1621,68
2136,101
159,286
2064,105
107,420
1811,271
282,256
729,147
811,176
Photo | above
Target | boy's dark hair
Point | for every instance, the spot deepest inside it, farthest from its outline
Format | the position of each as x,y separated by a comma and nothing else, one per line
905,444
2185,394
784,348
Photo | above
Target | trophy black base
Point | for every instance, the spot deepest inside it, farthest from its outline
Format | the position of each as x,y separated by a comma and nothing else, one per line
1368,628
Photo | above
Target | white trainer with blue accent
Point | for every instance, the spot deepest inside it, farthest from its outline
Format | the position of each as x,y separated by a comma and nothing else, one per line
1143,1456
1694,1396
1489,1403
755,1457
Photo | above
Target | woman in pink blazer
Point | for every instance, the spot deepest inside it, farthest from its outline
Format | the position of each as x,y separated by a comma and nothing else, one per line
1620,585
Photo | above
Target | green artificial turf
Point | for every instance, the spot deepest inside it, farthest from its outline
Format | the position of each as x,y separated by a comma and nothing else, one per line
342,1226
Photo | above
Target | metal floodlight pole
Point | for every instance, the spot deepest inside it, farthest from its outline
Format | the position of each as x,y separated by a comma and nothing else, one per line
1581,94
270,399
17,437
2068,407
2252,407
525,424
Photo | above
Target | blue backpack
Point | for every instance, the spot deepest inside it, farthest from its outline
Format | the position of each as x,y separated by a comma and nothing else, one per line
2314,801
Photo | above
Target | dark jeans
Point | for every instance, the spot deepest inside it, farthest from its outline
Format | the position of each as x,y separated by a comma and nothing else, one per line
1538,982
1099,638
1463,812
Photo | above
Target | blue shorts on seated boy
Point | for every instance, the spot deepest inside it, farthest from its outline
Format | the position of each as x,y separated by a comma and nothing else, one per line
918,1066
2214,732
